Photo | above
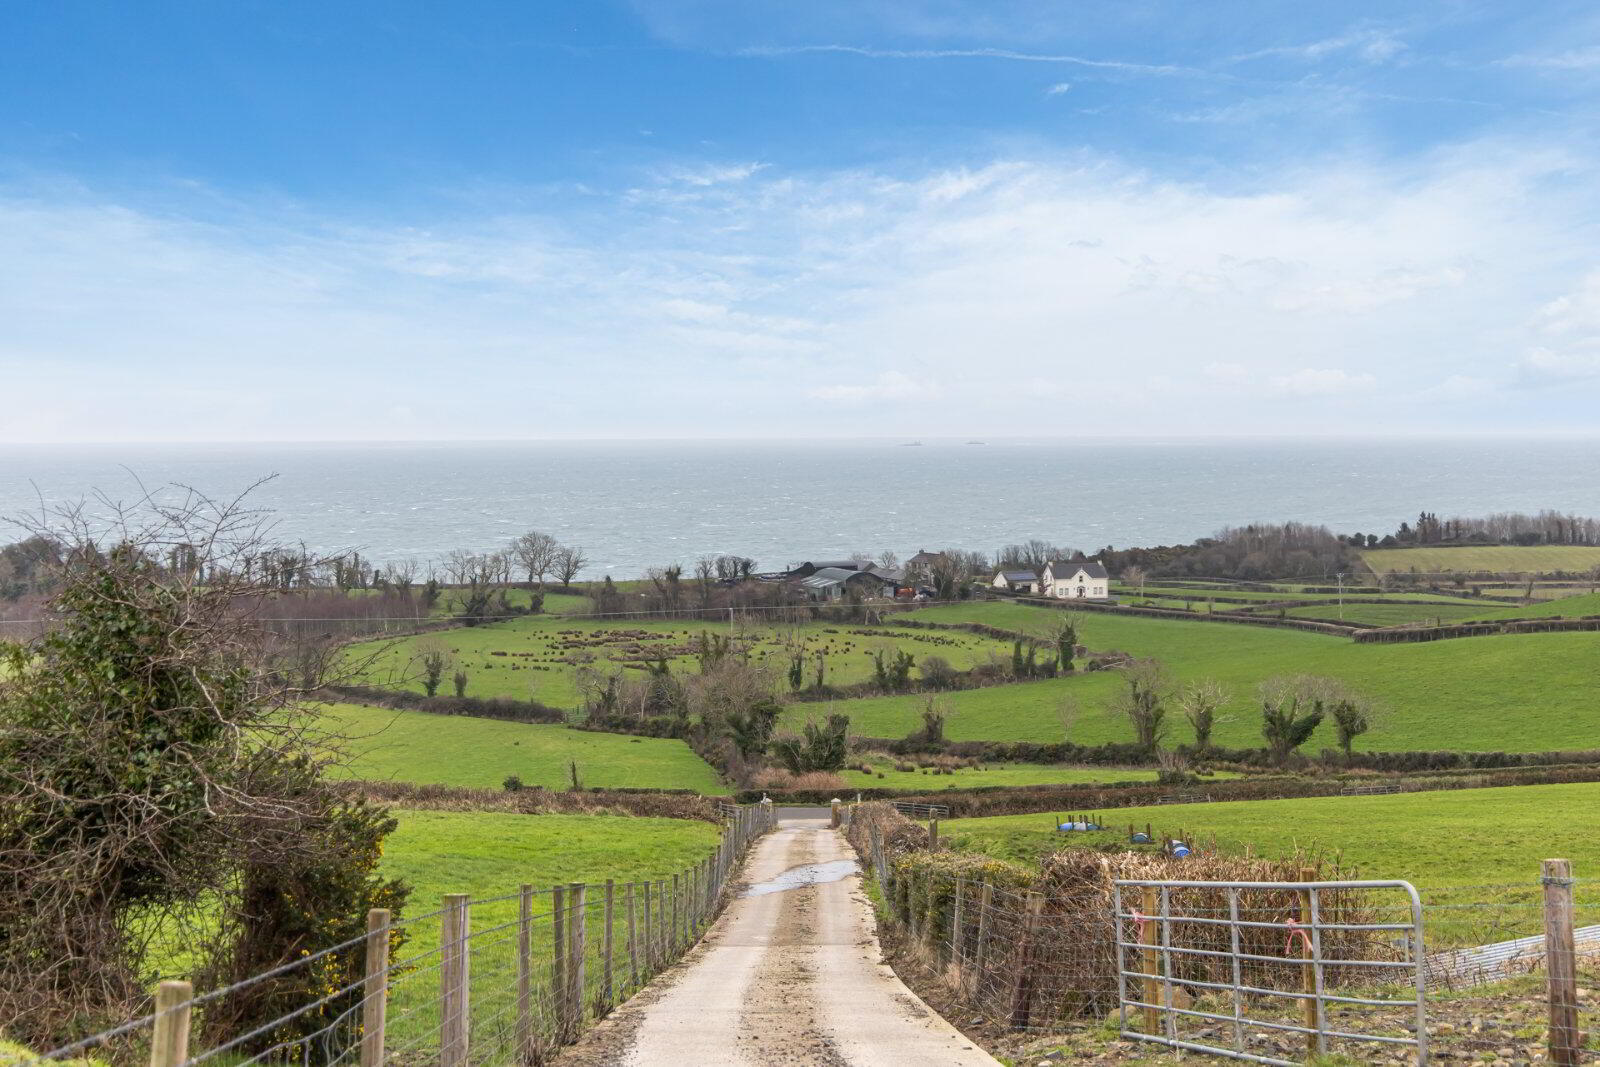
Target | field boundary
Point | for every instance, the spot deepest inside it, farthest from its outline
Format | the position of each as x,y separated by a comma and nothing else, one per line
505,992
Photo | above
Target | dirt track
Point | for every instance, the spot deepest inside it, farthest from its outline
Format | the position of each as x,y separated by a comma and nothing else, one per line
790,974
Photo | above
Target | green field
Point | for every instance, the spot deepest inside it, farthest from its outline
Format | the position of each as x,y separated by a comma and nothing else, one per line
1200,596
1494,559
1438,841
1567,607
417,746
1515,692
885,776
449,602
1390,614
538,657
488,855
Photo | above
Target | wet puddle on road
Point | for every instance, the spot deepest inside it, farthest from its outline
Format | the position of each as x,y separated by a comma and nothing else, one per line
800,877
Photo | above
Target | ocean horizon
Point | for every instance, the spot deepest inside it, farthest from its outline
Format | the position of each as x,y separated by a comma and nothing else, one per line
636,504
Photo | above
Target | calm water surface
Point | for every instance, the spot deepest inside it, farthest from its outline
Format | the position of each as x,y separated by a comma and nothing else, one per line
633,505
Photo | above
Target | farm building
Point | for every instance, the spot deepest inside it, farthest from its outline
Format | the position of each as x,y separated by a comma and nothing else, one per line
1082,579
833,583
1017,579
920,566
810,567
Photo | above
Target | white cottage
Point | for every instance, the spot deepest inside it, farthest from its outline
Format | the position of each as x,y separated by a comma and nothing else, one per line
1082,579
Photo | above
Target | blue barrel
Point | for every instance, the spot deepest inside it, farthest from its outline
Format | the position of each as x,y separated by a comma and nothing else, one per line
1141,838
1179,849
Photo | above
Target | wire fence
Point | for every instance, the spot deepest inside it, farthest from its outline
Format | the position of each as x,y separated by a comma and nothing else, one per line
493,980
1499,971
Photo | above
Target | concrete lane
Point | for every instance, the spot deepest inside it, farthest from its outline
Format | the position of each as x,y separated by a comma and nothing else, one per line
790,974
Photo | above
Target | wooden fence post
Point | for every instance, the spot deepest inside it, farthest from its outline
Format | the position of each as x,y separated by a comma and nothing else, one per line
1310,1017
956,927
979,957
1022,991
933,835
558,959
609,989
633,940
454,926
672,933
1560,963
578,927
375,990
524,974
1149,963
169,1037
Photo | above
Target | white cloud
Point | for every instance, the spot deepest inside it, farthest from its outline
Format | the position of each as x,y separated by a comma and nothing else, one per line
1370,44
714,173
1313,381
890,385
776,51
1569,327
1587,58
1226,372
795,304
1058,88
1461,387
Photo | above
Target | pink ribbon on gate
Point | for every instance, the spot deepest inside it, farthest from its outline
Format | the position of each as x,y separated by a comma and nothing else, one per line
1295,930
1138,925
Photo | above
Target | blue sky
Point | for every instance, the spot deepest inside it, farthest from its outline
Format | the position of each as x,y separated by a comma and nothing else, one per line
703,218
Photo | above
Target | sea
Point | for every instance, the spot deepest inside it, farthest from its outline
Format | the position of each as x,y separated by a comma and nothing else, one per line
634,505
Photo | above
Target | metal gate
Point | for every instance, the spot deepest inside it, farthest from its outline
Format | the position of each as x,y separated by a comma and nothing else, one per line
1251,969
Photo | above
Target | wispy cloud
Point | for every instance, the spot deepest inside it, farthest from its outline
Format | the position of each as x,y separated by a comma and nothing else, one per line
971,53
791,303
1322,381
1587,58
1369,44
1058,88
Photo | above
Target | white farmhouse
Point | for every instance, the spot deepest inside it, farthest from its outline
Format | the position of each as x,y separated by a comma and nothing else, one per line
1082,579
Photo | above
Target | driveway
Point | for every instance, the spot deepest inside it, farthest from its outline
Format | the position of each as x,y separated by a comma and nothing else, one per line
791,973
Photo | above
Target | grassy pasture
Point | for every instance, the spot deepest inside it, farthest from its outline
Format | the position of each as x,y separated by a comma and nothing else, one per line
995,774
1200,596
538,656
488,855
450,601
884,776
1439,841
418,746
1514,692
1571,607
1495,559
1389,614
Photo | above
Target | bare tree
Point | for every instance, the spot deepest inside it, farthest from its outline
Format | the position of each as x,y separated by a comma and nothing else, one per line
705,573
400,575
1291,710
889,561
569,560
536,552
1143,701
1353,714
1134,576
1200,702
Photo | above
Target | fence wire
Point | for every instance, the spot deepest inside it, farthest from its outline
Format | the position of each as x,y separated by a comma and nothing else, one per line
1493,988
498,980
